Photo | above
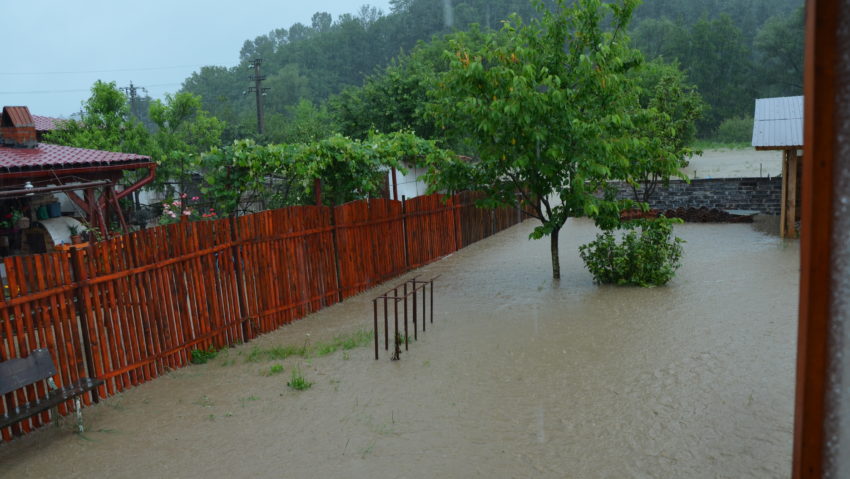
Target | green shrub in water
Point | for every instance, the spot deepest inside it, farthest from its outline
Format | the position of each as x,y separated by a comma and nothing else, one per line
201,356
646,255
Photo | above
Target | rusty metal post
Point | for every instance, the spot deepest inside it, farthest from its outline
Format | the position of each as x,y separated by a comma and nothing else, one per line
424,313
432,301
375,322
386,327
415,326
397,352
406,345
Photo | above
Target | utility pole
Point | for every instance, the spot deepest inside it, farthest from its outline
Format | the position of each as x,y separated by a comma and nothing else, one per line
131,92
260,92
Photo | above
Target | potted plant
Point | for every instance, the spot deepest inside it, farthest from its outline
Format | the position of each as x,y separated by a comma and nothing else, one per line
74,230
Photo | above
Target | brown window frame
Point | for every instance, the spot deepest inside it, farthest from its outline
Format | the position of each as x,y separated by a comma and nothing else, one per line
821,85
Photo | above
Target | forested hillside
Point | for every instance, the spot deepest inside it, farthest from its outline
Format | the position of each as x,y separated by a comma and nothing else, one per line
732,50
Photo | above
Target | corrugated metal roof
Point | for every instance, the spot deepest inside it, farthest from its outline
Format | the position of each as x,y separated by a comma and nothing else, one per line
18,116
778,122
56,156
46,123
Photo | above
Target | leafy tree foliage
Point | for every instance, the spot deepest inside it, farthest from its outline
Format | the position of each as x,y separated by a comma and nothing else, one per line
779,49
104,123
183,130
733,50
664,126
302,123
247,176
316,61
545,120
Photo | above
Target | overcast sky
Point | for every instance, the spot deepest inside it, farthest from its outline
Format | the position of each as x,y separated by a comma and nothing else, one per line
56,49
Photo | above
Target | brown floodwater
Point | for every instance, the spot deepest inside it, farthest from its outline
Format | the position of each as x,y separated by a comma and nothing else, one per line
519,376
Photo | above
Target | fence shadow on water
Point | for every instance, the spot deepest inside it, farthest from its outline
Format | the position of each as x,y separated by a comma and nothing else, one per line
131,308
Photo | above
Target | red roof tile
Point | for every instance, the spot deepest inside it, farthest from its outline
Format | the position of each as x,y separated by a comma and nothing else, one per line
47,156
46,123
18,116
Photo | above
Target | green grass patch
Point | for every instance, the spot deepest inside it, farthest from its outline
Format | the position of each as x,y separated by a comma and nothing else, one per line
276,353
343,342
297,381
274,370
202,356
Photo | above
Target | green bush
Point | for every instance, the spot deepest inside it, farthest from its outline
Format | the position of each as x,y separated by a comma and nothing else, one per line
646,255
736,130
201,356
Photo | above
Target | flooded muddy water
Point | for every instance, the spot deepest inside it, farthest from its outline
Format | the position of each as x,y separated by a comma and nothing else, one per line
520,377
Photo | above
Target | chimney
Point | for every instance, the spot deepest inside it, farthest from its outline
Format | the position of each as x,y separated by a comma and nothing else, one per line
17,128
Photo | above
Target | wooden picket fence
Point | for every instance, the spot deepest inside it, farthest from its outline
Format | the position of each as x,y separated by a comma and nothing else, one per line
134,307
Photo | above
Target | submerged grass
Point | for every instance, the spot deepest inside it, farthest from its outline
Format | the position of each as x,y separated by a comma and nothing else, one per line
344,342
275,353
297,381
275,369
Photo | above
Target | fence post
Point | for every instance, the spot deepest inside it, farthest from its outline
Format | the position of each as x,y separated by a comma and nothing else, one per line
395,184
335,238
247,333
458,217
82,304
404,232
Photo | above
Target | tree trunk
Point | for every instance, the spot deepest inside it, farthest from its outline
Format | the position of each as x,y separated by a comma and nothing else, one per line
556,262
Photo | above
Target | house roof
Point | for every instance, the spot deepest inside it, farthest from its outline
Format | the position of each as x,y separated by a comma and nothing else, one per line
46,123
778,123
51,157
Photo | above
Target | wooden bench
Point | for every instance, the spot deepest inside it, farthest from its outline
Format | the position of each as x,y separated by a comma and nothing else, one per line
38,366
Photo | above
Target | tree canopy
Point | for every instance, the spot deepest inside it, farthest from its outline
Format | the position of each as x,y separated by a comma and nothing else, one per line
547,122
732,50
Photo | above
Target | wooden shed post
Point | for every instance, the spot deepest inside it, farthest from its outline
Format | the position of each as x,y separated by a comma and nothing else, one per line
788,219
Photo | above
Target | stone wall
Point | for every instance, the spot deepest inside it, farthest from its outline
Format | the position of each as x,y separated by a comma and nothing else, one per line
759,194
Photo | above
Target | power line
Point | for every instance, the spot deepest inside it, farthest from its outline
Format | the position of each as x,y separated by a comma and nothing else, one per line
103,71
33,92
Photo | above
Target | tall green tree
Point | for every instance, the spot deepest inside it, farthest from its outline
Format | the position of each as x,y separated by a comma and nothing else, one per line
546,106
183,130
779,47
664,126
105,123
719,62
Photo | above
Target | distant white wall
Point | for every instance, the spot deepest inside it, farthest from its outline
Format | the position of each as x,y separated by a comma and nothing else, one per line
408,185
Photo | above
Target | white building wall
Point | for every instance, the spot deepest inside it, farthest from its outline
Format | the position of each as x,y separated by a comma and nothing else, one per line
408,185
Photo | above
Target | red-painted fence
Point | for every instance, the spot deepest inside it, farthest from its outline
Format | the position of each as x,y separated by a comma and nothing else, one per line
131,308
